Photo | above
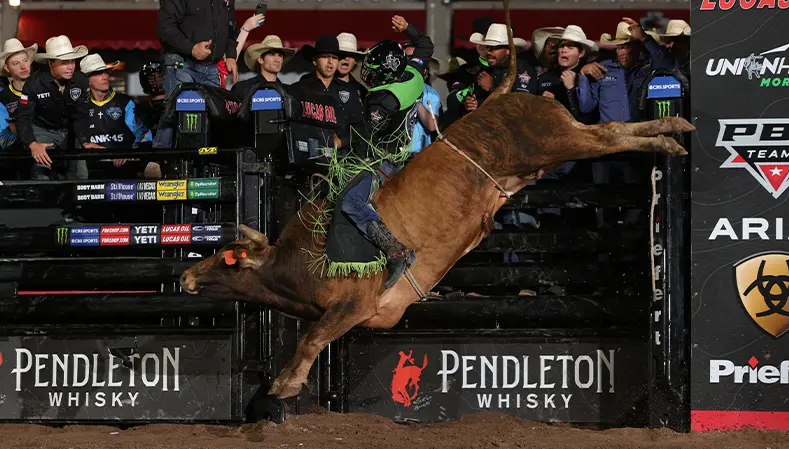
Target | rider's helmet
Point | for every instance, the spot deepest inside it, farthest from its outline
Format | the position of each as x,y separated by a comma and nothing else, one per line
152,79
384,63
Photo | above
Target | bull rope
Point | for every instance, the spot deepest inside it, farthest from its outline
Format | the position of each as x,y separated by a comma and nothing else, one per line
468,158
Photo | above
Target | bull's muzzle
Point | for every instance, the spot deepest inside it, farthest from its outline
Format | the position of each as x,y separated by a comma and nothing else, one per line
189,283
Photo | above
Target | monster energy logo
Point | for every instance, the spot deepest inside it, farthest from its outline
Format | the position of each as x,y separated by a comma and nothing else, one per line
664,108
61,236
191,123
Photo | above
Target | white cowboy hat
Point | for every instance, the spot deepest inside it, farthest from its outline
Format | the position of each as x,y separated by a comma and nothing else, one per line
94,64
270,42
496,36
676,27
622,36
349,44
59,47
12,46
541,36
574,33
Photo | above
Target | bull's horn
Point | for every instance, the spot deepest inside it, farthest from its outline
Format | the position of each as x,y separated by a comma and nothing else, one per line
251,234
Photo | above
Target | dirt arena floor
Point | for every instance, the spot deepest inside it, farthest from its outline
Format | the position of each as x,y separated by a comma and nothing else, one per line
329,430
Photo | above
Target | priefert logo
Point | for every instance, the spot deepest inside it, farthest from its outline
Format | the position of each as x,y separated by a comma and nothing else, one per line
751,373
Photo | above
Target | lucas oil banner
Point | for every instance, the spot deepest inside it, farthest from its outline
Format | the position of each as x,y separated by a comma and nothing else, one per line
131,378
407,378
740,227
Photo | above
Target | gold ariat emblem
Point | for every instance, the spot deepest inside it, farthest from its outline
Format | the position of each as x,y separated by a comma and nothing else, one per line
763,285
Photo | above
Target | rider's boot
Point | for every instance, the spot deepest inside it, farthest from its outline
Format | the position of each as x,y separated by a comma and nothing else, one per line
398,257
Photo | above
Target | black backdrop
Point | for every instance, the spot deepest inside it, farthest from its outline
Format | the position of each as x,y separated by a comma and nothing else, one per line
738,173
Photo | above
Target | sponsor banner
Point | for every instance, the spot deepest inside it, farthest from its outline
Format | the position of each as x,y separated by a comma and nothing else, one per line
206,239
203,184
115,235
170,185
176,234
144,377
203,194
740,156
206,228
190,100
90,191
171,195
84,236
664,87
411,378
145,235
266,100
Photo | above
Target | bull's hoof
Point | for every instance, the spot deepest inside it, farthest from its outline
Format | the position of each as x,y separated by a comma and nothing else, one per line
284,390
681,125
671,147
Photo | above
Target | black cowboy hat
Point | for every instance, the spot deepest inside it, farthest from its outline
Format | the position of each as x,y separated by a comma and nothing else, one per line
325,44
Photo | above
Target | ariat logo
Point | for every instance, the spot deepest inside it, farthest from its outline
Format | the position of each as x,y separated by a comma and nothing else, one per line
191,123
763,285
61,236
405,381
663,108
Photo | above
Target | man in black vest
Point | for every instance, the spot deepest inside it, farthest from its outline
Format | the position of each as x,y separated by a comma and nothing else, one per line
46,105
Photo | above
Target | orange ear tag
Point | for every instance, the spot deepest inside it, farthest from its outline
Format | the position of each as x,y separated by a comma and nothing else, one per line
243,254
229,259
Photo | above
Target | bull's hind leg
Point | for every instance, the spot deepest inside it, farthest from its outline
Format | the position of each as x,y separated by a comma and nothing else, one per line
338,319
666,125
590,144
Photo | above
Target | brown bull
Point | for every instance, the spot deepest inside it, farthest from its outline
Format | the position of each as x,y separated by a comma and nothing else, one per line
440,204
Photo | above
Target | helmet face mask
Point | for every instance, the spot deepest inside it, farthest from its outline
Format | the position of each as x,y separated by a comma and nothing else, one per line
152,79
384,63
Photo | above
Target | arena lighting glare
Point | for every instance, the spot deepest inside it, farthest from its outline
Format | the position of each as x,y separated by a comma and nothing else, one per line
13,3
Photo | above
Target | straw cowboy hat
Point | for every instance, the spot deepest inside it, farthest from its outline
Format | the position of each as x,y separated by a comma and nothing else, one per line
93,64
622,36
496,36
675,28
12,46
574,33
270,42
59,47
349,45
541,36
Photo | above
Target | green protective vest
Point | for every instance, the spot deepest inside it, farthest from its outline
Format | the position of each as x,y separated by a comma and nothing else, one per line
407,92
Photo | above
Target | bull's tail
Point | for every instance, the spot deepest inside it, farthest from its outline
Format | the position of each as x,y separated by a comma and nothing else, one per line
509,80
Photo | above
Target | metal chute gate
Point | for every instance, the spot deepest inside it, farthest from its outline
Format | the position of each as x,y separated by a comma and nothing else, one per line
556,323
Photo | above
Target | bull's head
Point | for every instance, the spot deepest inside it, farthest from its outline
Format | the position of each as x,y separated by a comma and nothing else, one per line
228,273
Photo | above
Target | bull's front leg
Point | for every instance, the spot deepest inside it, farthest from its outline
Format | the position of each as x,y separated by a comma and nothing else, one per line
338,319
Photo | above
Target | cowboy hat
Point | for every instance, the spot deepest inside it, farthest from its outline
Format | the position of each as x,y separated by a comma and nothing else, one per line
496,37
326,44
12,46
574,33
675,28
479,27
349,45
622,36
541,36
93,64
269,43
59,47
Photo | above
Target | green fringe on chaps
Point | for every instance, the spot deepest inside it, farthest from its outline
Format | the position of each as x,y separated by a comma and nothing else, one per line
341,171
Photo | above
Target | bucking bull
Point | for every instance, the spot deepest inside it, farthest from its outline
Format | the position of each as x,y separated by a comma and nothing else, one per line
441,204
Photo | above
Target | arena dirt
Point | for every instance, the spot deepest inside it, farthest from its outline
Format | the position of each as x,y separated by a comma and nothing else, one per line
352,431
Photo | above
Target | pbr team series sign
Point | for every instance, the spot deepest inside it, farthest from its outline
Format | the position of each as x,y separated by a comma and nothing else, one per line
740,239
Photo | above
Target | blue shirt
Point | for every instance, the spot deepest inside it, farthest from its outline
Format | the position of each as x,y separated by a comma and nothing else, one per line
616,94
421,138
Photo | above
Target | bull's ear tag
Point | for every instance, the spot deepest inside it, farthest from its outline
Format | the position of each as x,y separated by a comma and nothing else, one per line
243,254
229,259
